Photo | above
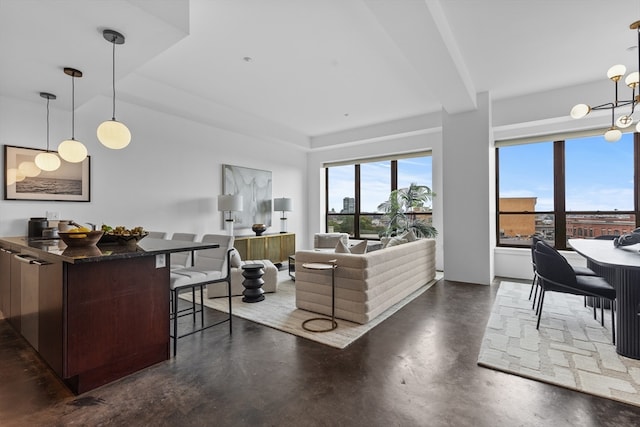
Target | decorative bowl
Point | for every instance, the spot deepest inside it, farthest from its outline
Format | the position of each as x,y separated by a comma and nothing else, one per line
259,229
80,238
123,239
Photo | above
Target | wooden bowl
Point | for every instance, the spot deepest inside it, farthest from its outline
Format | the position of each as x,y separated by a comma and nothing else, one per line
80,238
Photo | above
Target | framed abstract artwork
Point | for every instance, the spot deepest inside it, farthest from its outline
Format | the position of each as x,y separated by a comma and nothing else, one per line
254,185
23,180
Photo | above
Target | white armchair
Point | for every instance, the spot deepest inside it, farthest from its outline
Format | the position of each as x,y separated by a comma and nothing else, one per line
329,240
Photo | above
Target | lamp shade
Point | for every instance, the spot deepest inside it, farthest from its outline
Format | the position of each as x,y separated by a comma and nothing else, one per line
612,135
47,161
230,203
72,151
113,134
616,71
283,204
580,110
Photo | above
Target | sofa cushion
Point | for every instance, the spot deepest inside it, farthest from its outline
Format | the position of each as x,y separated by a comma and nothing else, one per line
341,248
388,242
410,235
329,240
359,248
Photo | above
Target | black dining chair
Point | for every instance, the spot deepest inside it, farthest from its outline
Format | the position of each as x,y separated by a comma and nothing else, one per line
582,271
556,274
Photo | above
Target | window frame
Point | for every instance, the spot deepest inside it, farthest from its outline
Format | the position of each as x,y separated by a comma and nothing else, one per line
559,199
357,183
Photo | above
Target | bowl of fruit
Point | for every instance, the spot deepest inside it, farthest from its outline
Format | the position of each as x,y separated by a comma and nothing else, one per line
80,236
122,235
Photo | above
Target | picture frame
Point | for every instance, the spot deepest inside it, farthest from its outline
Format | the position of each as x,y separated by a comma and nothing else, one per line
23,180
255,186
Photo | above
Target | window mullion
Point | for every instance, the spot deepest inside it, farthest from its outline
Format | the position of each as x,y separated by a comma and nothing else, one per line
559,200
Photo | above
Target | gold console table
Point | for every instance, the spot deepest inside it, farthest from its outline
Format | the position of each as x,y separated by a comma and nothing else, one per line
275,247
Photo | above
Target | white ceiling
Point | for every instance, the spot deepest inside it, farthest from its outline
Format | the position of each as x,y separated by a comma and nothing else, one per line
317,66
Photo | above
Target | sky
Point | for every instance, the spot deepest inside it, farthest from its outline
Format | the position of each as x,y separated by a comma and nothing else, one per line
377,177
599,174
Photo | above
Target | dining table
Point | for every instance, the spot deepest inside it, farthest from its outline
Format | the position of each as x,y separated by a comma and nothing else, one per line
620,266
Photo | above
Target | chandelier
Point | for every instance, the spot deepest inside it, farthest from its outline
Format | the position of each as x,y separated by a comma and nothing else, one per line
615,73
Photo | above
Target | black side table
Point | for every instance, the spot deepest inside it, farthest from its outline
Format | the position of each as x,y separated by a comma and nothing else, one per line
253,282
292,267
329,265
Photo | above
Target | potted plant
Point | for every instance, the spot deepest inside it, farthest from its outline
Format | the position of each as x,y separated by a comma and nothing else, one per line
401,208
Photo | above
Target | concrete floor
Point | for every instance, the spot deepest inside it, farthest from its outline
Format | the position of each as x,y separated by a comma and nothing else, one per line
417,368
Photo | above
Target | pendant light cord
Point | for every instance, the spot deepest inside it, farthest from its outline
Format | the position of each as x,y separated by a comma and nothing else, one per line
47,124
73,107
113,77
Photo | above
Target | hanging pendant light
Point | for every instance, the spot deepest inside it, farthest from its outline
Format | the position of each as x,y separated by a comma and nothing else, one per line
47,161
71,150
112,133
615,74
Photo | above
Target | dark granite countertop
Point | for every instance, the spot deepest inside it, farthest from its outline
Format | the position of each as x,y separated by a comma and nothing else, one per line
56,248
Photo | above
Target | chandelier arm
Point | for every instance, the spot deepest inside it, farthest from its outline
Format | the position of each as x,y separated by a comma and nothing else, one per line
613,118
607,106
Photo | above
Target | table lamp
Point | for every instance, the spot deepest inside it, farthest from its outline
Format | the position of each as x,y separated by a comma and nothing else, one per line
229,203
283,205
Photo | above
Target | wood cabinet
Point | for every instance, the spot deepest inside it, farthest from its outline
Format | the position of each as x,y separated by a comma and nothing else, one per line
10,287
93,314
274,247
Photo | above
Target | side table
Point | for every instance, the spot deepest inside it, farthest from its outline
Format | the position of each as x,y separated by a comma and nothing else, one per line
253,282
329,265
292,267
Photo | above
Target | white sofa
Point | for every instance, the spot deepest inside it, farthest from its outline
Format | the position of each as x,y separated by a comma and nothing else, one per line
366,284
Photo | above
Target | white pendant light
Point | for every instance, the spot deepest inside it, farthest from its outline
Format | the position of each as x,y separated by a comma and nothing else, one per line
112,133
71,150
47,161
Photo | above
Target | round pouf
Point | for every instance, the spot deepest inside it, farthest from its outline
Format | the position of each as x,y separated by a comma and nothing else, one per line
253,282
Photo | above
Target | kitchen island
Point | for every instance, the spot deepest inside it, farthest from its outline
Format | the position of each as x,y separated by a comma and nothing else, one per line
94,314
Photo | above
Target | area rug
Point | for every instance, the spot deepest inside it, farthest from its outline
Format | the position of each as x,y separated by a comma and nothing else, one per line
278,310
570,349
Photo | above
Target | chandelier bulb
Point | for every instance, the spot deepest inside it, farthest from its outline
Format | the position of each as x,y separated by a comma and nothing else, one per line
615,72
624,121
580,110
632,79
612,135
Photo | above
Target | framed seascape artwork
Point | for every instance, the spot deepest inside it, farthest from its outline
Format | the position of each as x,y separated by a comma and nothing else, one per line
254,185
23,180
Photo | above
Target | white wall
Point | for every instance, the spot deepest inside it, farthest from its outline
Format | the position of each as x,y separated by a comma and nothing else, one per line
469,204
167,179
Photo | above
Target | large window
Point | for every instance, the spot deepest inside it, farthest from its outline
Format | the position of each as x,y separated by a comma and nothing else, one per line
569,188
355,191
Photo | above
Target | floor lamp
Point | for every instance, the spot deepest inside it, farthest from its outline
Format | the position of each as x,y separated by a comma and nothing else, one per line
283,205
229,203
